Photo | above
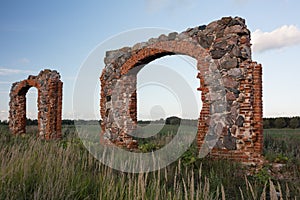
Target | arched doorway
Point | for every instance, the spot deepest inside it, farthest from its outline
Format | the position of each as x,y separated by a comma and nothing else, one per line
49,102
32,111
173,71
167,97
230,122
122,91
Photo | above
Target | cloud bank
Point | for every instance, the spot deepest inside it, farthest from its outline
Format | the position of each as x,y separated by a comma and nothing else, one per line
284,36
5,71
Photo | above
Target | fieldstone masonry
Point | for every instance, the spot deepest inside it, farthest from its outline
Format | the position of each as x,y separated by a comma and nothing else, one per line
230,121
49,104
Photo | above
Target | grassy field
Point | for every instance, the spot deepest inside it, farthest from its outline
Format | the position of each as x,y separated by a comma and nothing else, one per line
35,169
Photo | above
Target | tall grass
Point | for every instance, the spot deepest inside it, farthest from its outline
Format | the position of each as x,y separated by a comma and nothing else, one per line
35,169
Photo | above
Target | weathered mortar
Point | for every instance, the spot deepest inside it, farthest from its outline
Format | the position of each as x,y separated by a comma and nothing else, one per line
231,115
49,104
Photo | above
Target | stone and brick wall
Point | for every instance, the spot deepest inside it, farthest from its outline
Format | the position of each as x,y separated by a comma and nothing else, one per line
230,120
49,104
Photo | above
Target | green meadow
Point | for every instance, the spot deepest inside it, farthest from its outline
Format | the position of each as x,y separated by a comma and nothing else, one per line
63,169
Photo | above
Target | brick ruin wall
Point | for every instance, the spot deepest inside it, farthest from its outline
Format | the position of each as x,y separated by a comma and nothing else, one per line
230,85
49,103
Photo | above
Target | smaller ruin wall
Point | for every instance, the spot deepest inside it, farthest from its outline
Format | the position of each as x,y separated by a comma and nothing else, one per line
49,104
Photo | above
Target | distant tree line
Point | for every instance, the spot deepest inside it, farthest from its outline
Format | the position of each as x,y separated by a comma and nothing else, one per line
173,120
4,122
30,122
33,122
65,122
282,122
145,122
278,122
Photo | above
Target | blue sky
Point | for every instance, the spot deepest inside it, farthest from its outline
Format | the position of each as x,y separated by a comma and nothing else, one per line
61,34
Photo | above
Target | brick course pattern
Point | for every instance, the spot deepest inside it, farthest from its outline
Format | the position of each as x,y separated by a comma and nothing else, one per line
49,104
230,85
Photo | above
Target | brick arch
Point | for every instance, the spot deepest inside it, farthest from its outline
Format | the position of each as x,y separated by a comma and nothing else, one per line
49,102
165,48
223,54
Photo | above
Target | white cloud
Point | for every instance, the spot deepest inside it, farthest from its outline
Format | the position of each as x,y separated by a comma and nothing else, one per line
5,82
32,114
68,115
154,5
279,38
5,71
24,61
70,78
3,114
